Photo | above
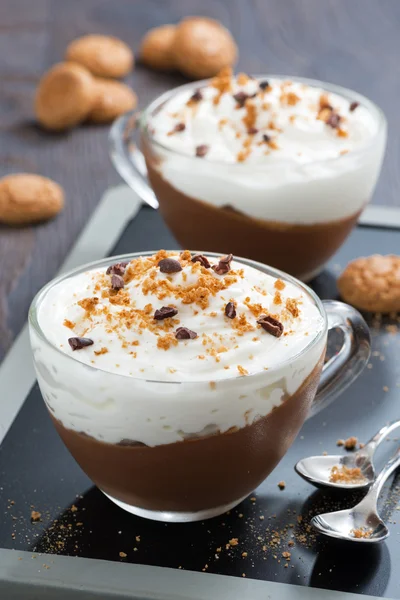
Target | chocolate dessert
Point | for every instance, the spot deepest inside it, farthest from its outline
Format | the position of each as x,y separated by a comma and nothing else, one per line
275,170
199,473
178,380
296,249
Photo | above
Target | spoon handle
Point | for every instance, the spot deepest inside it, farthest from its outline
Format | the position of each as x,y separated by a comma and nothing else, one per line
376,487
371,446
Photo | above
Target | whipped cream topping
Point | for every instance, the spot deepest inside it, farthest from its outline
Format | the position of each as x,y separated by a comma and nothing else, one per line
258,121
272,149
196,324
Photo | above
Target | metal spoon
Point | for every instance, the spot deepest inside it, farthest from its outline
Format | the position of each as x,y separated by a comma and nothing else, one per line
318,469
361,523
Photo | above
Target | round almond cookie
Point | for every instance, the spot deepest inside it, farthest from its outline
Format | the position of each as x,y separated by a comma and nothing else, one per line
64,97
113,99
156,48
202,47
372,283
103,55
27,198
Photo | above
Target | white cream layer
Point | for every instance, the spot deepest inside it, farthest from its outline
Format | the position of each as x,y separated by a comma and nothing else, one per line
314,175
184,395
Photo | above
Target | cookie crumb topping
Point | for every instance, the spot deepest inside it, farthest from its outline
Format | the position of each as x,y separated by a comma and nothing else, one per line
239,113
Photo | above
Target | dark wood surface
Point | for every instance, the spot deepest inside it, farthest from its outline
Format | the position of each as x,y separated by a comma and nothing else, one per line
355,43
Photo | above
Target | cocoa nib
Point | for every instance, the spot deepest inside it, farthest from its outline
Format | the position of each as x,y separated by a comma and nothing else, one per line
179,127
197,96
117,282
224,265
263,85
77,343
202,260
183,333
230,310
164,312
252,130
241,98
333,120
266,138
271,325
202,150
117,269
353,106
169,265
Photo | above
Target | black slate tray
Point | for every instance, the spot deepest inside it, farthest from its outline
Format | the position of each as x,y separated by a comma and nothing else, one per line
37,472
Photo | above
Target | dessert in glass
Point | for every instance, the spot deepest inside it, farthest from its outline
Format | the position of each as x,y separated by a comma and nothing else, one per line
178,380
275,169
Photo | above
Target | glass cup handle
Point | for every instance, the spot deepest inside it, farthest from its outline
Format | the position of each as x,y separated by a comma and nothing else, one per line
345,366
128,159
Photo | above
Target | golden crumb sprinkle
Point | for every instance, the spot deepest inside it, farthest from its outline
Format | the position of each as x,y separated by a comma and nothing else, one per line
89,305
222,82
185,255
250,118
361,532
289,99
281,485
233,541
242,78
242,370
123,554
279,285
277,298
324,101
165,342
243,155
292,306
342,133
343,474
102,350
69,324
350,443
35,516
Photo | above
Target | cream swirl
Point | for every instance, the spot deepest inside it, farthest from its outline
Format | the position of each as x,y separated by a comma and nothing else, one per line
135,328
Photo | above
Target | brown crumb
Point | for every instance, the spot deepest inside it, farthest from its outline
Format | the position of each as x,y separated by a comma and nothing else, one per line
345,474
233,542
244,554
73,508
340,443
242,370
69,324
361,532
103,350
35,516
350,443
123,554
286,555
292,307
281,485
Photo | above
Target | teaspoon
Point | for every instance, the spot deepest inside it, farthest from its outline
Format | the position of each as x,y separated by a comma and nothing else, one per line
361,523
318,469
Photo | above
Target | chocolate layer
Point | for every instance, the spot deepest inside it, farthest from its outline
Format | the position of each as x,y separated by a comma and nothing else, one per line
199,473
296,249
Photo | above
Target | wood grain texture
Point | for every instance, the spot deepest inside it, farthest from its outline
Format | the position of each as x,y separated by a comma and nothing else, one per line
351,42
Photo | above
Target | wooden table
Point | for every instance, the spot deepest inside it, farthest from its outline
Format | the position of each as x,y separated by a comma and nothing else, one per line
355,43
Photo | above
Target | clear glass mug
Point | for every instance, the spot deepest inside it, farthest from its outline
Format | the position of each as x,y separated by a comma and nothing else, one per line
291,216
188,451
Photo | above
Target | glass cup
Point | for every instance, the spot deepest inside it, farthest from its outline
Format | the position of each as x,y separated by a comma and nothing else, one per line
188,451
291,216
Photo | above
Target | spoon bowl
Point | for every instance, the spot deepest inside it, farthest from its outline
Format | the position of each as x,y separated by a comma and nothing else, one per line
352,525
361,523
318,469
